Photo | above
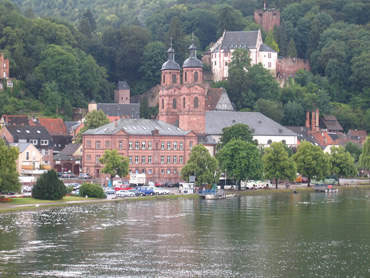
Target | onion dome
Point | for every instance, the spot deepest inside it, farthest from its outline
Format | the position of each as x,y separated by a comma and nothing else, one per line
192,61
170,64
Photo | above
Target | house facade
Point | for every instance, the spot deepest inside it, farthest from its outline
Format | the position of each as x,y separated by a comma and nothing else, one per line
29,162
153,147
222,50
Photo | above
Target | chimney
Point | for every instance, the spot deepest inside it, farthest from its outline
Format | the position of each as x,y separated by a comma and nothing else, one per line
308,119
317,119
313,121
115,123
264,5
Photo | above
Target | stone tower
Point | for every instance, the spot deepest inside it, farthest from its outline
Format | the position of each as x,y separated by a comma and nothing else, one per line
4,67
122,93
267,18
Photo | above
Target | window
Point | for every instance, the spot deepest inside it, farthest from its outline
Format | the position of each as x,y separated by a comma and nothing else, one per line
168,145
269,64
269,55
130,159
174,106
196,76
149,145
88,144
162,171
4,74
143,159
225,64
107,144
186,76
168,159
164,78
143,171
183,102
174,159
196,102
191,145
168,171
120,145
4,65
136,159
181,159
215,62
173,78
44,142
284,142
88,157
97,145
269,141
162,146
33,141
97,159
137,143
143,145
162,103
27,156
130,145
226,54
162,159
149,171
149,159
255,141
174,146
181,146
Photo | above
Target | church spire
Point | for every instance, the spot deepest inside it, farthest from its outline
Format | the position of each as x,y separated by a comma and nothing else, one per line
170,64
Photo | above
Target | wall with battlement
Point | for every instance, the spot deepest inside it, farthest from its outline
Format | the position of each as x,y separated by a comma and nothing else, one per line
267,18
286,66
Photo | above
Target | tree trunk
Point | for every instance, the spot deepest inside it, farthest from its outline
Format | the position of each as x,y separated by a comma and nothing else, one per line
338,179
240,185
308,182
276,183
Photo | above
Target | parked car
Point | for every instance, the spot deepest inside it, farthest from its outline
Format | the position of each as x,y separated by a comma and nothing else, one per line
84,176
110,190
146,189
125,193
159,184
137,192
168,184
122,187
67,175
161,191
75,192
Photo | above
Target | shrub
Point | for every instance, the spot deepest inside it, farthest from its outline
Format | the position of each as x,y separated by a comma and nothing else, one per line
49,187
92,190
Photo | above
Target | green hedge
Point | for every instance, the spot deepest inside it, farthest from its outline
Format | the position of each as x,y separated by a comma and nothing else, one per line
92,190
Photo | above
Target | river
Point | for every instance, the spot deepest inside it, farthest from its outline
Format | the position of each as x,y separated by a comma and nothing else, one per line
281,235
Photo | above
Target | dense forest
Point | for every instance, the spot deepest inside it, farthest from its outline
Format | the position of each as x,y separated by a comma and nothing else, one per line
65,53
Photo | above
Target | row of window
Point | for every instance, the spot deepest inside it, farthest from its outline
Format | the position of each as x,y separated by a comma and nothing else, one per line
174,103
174,77
143,145
144,159
150,171
42,142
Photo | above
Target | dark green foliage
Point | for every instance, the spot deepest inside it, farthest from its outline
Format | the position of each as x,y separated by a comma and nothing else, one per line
49,187
235,132
92,190
8,168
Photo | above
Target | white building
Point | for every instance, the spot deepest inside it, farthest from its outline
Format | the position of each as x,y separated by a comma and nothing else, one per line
221,52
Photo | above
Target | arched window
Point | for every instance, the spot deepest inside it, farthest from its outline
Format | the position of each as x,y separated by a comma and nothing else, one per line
162,103
256,141
269,141
196,102
174,103
186,76
173,78
196,76
183,102
164,78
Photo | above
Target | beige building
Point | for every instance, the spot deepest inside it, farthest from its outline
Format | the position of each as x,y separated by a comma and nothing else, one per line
29,161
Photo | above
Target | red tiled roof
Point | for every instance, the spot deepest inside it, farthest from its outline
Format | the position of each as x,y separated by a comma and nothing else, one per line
213,97
322,138
16,119
358,133
113,118
53,126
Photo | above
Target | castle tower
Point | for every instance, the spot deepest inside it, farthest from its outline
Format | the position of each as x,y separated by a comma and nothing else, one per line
192,97
122,93
170,87
4,67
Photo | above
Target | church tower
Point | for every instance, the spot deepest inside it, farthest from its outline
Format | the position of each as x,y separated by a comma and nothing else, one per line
169,91
192,97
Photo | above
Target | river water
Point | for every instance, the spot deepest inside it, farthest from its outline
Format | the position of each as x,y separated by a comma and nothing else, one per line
283,235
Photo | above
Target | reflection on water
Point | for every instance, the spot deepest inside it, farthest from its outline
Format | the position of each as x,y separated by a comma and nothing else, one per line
293,235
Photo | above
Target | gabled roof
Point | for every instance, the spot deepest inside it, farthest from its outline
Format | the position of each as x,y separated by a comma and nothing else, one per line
331,123
120,109
69,126
21,146
239,39
266,48
357,134
138,127
257,122
16,119
302,134
70,149
217,99
54,126
28,132
122,85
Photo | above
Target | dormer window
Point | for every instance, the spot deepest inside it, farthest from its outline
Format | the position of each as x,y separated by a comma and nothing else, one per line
33,141
44,142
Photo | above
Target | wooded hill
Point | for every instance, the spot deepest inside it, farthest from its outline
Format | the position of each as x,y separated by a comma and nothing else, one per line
66,53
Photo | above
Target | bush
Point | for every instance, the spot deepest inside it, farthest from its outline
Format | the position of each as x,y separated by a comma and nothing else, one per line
92,190
49,187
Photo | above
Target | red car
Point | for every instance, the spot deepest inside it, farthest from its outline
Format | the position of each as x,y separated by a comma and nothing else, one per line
159,184
122,187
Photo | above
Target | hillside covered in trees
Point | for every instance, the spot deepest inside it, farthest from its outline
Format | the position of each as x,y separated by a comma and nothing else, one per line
65,53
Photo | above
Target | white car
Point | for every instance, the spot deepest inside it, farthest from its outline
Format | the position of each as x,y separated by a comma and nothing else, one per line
161,191
125,193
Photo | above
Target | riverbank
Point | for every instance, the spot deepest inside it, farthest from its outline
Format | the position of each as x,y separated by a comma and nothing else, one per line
26,203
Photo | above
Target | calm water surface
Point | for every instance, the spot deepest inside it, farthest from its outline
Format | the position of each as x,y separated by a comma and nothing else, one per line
297,235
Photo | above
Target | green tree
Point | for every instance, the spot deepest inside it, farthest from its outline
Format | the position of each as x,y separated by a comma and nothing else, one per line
342,163
201,165
235,132
8,168
364,161
114,164
354,150
272,109
93,119
49,187
229,19
241,160
92,190
278,164
292,50
270,41
311,161
293,114
240,59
